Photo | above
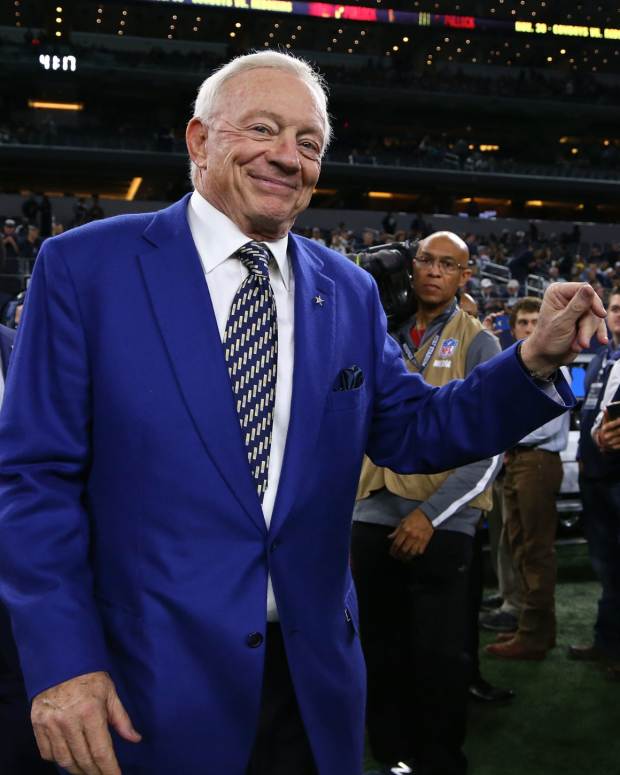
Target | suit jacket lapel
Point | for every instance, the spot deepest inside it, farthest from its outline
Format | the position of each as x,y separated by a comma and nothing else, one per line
182,305
315,331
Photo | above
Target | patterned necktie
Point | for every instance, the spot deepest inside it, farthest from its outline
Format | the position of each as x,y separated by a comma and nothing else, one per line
251,351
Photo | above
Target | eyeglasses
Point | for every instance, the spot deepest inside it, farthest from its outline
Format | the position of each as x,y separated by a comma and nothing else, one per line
445,265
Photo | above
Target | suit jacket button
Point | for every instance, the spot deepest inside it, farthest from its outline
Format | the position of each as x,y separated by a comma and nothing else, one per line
254,640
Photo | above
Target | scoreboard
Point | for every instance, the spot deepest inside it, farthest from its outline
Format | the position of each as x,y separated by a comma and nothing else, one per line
367,14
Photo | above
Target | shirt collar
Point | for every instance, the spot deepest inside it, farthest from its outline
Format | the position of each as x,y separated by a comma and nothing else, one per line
219,238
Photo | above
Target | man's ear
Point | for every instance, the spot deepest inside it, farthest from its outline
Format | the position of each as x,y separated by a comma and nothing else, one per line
196,136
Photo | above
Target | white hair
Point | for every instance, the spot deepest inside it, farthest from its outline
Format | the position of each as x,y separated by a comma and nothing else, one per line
210,89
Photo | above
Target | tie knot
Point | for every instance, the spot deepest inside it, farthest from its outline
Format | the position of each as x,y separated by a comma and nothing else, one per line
256,257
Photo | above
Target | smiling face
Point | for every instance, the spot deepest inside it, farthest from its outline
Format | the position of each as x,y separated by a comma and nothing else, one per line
260,155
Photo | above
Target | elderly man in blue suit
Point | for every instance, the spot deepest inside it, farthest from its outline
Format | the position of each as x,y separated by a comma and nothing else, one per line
176,488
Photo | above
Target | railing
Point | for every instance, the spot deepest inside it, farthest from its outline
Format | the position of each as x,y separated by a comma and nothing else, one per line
498,273
535,286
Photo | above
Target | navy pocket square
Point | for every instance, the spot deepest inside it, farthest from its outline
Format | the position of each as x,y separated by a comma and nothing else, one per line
349,379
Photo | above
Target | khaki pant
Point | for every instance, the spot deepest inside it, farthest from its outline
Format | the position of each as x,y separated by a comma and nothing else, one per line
508,579
533,479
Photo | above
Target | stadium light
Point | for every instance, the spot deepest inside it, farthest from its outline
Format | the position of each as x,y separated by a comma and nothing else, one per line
133,189
43,105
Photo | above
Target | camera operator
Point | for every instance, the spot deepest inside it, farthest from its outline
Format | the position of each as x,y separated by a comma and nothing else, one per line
412,546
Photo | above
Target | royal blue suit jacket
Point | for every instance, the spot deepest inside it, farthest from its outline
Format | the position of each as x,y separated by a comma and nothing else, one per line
131,536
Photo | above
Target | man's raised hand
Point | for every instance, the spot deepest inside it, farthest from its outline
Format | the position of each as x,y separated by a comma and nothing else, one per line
570,315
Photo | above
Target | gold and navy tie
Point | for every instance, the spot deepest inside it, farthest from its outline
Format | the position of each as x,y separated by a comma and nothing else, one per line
251,351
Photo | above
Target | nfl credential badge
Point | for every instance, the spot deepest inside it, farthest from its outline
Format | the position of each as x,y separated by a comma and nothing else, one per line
448,348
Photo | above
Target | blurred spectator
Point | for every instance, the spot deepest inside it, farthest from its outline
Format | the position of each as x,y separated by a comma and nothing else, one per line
339,242
369,239
468,304
389,223
30,208
522,265
9,239
513,293
317,236
80,212
95,211
11,312
29,248
45,216
488,298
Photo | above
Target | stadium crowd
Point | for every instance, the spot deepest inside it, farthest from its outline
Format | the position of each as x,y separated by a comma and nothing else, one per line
353,145
504,266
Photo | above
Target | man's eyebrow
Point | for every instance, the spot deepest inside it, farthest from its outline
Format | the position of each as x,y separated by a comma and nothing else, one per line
438,255
276,118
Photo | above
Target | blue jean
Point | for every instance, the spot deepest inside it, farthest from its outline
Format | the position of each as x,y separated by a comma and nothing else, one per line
601,510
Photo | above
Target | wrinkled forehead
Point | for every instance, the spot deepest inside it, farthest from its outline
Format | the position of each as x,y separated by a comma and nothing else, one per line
272,91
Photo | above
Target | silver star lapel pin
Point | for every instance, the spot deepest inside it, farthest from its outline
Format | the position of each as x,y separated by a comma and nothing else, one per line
319,300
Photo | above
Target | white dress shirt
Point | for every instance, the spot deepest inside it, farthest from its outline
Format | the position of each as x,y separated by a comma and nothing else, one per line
217,238
553,435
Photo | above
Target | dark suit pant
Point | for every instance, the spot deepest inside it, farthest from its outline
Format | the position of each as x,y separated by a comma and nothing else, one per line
474,601
413,622
19,754
601,515
281,746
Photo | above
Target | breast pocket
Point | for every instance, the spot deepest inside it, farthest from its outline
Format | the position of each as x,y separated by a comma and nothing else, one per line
346,400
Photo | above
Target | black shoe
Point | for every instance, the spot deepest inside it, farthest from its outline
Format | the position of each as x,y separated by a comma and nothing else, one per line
491,603
499,621
483,691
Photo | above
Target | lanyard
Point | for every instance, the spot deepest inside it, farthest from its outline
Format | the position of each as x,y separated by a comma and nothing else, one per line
428,355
